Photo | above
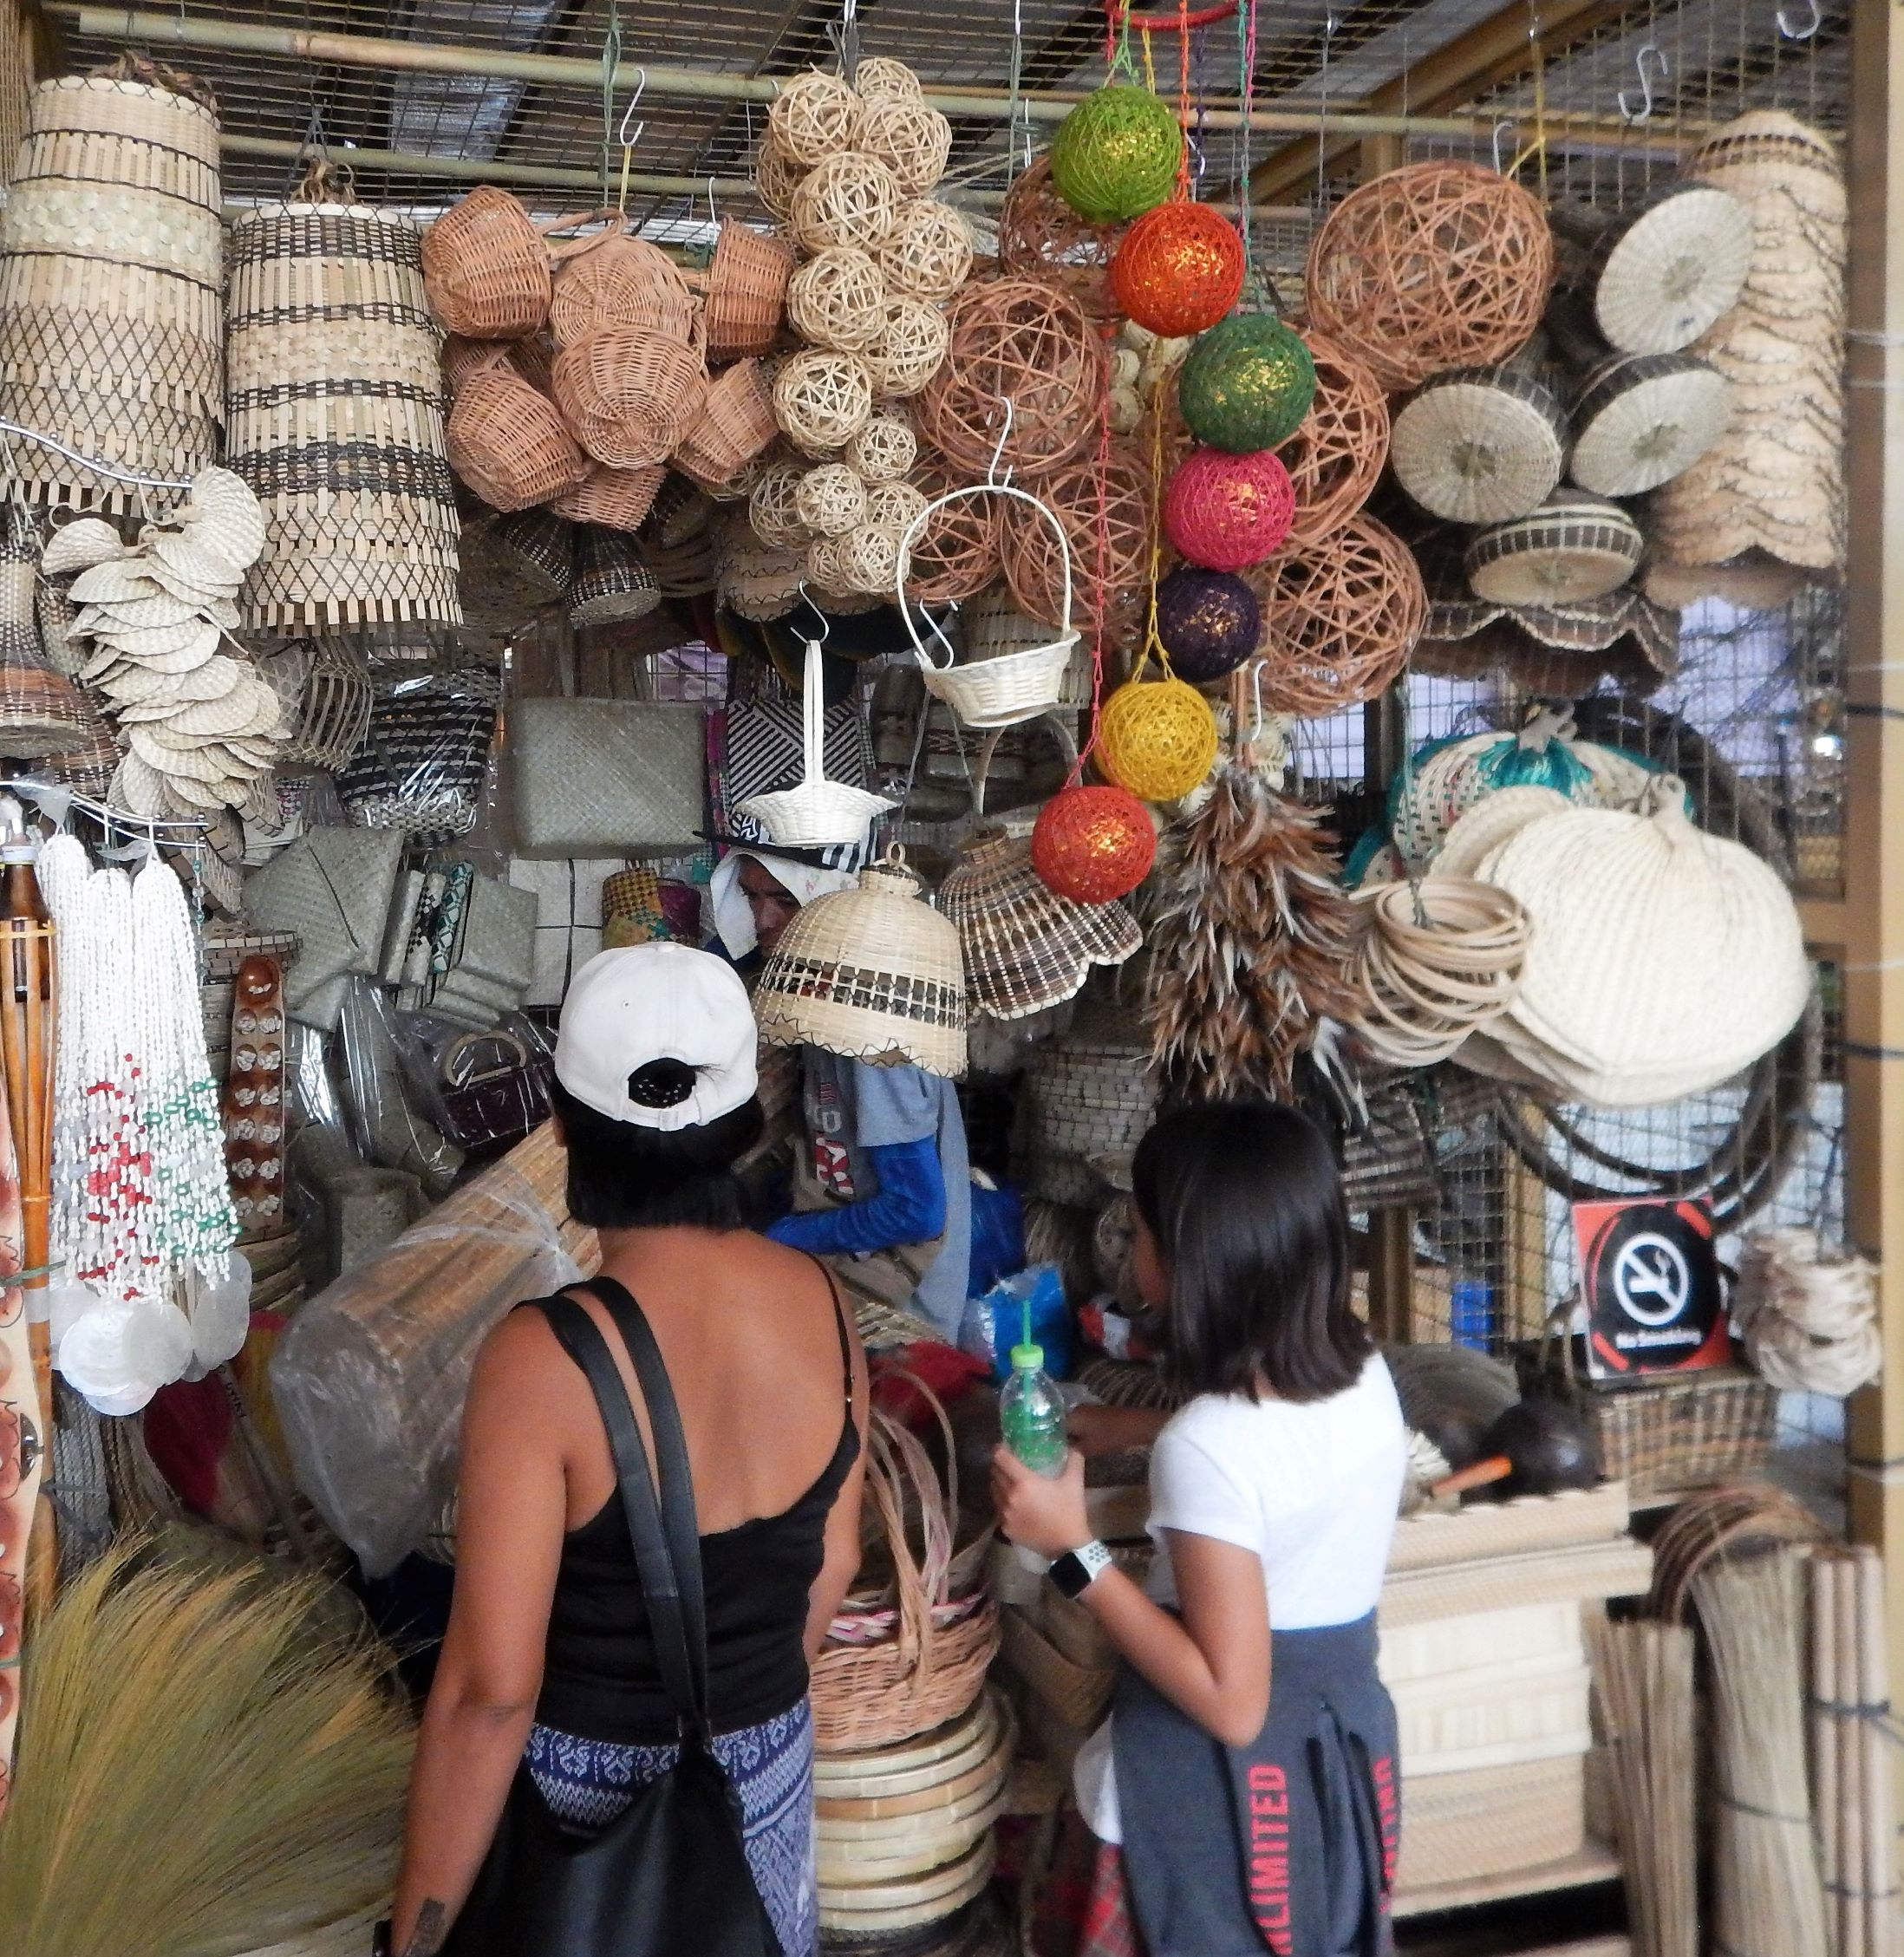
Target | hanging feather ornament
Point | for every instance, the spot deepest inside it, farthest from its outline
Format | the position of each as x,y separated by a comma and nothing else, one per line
1250,951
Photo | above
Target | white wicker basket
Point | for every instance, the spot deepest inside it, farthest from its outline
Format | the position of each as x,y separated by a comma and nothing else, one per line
817,814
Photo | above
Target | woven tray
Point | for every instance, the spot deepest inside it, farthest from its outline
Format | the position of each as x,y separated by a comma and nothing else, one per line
1414,1653
1499,1716
1459,1827
1591,1571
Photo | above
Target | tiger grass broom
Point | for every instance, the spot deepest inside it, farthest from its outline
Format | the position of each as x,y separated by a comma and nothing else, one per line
205,1768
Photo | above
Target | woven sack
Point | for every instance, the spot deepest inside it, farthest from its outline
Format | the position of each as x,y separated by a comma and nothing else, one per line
599,777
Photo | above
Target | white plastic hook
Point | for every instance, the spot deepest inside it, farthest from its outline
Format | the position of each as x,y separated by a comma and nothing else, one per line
626,137
1804,31
1651,66
993,478
713,216
1506,124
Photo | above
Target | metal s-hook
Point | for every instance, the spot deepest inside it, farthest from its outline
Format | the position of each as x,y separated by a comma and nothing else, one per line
825,623
993,478
626,137
1651,65
1806,30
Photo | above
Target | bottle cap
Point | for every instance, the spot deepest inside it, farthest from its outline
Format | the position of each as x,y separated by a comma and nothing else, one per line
1028,1358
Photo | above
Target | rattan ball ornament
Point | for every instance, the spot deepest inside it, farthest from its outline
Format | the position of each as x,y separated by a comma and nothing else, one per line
1179,270
851,199
830,499
884,450
1117,154
1094,843
773,507
911,348
822,400
816,115
912,141
1335,458
837,300
894,506
1228,512
879,78
1157,738
928,251
824,566
956,552
776,177
868,558
1207,620
1040,237
1246,385
1103,503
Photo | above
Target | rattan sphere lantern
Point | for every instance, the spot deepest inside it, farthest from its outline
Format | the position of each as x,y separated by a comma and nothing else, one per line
880,78
892,505
1179,270
1040,237
773,510
851,199
883,451
837,300
910,348
822,400
928,251
815,116
1094,843
1228,512
912,141
1103,503
830,499
1431,266
1157,738
1207,620
1335,458
1247,384
1017,340
1117,154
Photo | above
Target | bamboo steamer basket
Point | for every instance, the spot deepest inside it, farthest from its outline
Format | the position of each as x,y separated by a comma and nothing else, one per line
1480,445
1573,546
1639,420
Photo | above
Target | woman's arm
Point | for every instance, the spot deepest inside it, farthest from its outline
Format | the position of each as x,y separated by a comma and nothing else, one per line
842,1563
511,1512
1212,1664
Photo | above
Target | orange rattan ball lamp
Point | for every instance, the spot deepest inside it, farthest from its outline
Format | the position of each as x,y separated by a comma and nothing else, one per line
1040,237
1335,458
1094,843
1104,506
1179,270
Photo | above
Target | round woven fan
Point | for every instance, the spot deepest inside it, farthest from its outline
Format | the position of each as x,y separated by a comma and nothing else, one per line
1480,445
1642,419
1573,546
1677,265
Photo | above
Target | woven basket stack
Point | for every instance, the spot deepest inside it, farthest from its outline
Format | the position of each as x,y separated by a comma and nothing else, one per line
334,417
112,265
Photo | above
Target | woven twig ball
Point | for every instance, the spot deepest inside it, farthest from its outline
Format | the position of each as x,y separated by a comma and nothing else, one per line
893,505
1039,236
1016,341
1104,506
1335,458
1228,512
773,507
884,450
1207,622
879,78
955,553
838,299
1431,266
1339,619
1094,844
1246,385
851,199
868,559
815,116
824,566
928,251
1117,154
911,348
830,499
1179,269
822,400
776,177
1157,738
912,141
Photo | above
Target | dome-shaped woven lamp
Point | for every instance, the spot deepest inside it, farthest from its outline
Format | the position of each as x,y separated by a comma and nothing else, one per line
822,400
486,267
1040,237
1209,621
814,116
629,396
622,281
1018,342
1117,154
747,279
928,251
509,443
912,141
873,974
1339,620
1179,269
955,554
1094,843
1104,506
1479,445
1157,738
614,499
1228,512
1246,384
1574,546
1431,266
1335,458
851,199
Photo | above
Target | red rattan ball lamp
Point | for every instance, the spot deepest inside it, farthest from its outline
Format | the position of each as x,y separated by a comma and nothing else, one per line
1094,844
1228,512
1179,270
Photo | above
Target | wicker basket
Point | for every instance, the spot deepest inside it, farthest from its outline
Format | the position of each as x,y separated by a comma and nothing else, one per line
627,394
486,267
1075,1694
734,425
816,813
616,280
746,290
614,498
509,444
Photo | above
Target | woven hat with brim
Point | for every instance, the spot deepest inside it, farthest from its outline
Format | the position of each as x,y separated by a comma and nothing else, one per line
1475,836
1642,419
1574,546
872,973
1479,445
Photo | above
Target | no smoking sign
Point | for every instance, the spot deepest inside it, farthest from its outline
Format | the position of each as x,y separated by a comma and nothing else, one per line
1652,1288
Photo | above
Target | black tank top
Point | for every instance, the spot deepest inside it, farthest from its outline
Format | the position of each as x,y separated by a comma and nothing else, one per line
600,1679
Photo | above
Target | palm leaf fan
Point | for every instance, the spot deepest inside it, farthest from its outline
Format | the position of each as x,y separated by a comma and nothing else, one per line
1248,950
202,1768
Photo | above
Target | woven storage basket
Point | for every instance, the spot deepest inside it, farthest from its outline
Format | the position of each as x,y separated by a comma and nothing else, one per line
1465,1827
620,280
327,694
734,425
1571,548
510,444
1480,445
871,974
486,269
1500,1715
746,290
816,813
628,396
1077,1694
611,582
614,498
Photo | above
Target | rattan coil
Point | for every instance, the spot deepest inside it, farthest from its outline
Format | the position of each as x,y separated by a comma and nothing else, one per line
627,396
1039,236
1480,445
1640,420
1571,548
1335,458
1670,269
746,290
851,199
1104,502
510,444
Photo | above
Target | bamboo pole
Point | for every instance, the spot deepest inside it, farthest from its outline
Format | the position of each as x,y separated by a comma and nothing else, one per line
1827,1733
1848,1897
1876,1873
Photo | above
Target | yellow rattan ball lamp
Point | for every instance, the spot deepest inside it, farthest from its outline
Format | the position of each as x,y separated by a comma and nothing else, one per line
1157,738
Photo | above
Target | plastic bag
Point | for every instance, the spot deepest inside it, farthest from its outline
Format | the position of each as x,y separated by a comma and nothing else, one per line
384,1126
424,762
994,1323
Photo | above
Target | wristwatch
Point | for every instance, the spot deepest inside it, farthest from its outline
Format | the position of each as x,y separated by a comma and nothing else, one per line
379,1939
1078,1569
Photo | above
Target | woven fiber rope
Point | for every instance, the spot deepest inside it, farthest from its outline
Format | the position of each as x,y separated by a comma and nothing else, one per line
746,290
851,199
486,268
928,251
822,400
510,444
1104,506
1016,341
629,396
1340,621
613,498
622,281
956,553
838,299
1430,266
814,116
735,424
1335,458
912,141
1039,236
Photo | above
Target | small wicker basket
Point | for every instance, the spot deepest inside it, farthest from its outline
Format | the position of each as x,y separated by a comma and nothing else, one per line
818,813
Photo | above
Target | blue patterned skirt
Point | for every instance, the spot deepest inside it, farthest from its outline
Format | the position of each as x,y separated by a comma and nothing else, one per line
588,1782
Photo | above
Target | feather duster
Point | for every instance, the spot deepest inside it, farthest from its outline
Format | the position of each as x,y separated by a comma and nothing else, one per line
1249,949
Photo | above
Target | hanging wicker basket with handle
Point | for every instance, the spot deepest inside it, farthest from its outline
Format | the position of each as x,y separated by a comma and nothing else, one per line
816,813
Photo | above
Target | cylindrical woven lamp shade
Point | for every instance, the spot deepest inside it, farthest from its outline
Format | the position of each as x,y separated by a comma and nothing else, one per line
1179,269
873,974
1246,385
1228,512
333,417
1207,620
1094,844
1117,154
112,265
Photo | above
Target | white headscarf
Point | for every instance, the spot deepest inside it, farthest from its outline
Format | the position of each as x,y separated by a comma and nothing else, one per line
734,914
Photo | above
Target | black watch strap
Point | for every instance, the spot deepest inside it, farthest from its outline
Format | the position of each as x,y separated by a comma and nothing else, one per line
1078,1569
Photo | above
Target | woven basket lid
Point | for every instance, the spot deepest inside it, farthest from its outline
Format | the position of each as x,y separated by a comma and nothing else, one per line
1659,952
1479,445
873,973
1676,266
1573,546
1642,419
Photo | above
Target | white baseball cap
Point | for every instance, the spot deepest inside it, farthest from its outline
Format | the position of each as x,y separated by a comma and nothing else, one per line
629,1008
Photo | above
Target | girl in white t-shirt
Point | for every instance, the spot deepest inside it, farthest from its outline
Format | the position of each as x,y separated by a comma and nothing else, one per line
1248,1771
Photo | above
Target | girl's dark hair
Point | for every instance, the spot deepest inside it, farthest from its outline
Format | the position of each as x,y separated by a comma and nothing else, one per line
622,1177
1245,1201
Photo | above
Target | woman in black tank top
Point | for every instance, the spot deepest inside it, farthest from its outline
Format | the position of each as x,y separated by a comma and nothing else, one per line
548,1665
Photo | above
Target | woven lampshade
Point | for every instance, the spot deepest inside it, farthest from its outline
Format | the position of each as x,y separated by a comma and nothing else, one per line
1642,419
1179,269
874,974
1246,385
1207,620
1479,445
611,582
1117,154
1094,843
1573,547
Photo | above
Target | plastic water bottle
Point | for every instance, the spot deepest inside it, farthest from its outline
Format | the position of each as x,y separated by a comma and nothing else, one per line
1031,1410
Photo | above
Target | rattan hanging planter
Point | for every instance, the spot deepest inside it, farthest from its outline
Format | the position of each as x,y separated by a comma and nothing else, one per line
734,425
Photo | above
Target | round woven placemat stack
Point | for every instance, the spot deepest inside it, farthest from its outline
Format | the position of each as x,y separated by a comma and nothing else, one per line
334,418
111,262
